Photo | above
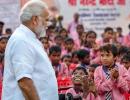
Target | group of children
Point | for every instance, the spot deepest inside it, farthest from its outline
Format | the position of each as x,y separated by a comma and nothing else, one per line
94,81
96,70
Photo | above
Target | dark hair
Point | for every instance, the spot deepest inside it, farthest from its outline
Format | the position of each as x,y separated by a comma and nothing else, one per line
1,57
80,68
42,38
63,29
82,53
94,65
123,50
8,30
126,57
54,48
4,37
69,40
58,36
65,56
110,48
91,32
2,23
129,26
80,25
119,28
74,53
108,29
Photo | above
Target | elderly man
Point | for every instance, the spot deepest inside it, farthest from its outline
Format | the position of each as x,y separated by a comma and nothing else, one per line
28,73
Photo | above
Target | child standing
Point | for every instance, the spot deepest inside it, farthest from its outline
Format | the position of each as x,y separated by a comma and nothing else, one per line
126,63
110,77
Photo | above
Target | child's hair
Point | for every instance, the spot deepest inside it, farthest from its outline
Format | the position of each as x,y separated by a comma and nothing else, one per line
82,53
91,32
129,26
80,68
4,38
44,38
63,30
58,36
109,48
126,57
123,50
1,57
54,48
2,23
108,29
94,65
74,53
65,56
80,26
69,40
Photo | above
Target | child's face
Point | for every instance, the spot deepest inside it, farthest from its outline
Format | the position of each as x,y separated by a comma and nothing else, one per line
3,43
77,76
64,33
45,43
83,37
80,30
69,45
58,41
126,64
67,61
86,60
55,58
75,59
91,38
107,58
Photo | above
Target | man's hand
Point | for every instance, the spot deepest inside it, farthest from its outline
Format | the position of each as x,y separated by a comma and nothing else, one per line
28,89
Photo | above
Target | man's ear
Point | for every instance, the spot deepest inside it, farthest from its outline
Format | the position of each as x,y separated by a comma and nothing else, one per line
34,20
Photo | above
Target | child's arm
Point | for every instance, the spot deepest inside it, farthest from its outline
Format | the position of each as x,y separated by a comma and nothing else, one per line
102,85
121,81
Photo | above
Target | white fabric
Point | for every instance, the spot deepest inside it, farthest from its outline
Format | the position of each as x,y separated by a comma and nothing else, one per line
25,57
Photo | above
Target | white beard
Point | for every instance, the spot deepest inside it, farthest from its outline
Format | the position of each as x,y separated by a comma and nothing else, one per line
40,30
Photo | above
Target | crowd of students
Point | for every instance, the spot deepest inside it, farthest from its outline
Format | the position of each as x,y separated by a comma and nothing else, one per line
93,69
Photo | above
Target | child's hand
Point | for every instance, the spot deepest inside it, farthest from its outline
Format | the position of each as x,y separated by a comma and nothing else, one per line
85,84
92,88
114,73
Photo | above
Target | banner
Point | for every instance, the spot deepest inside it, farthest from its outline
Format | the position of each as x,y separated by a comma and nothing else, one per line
97,14
9,13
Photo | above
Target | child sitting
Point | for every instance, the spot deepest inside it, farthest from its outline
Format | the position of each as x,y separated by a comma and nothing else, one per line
110,77
83,87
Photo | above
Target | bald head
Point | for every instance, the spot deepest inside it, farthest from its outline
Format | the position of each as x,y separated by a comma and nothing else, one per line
32,8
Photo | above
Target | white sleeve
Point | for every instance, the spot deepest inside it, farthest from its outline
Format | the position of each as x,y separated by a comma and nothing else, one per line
23,60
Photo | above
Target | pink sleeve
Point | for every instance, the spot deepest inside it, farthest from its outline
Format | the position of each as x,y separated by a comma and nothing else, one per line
126,40
128,78
91,97
102,84
122,83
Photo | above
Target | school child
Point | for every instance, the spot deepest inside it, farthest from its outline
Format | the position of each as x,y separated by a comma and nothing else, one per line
84,58
110,78
83,88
